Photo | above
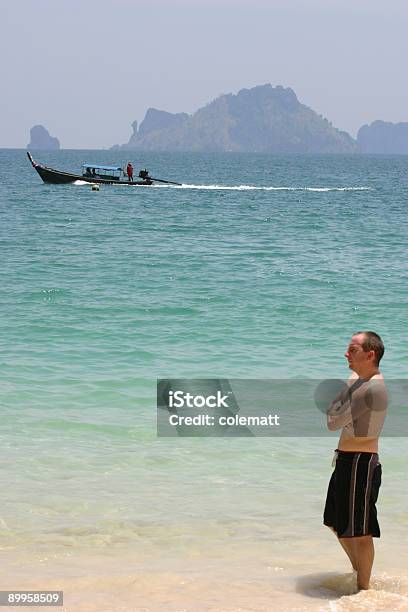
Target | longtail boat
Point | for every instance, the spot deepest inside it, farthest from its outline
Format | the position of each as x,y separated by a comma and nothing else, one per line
95,174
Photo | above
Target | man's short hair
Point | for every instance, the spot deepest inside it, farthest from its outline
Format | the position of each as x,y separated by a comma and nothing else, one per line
372,342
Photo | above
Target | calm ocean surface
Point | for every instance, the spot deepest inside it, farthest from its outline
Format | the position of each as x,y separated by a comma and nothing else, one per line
257,267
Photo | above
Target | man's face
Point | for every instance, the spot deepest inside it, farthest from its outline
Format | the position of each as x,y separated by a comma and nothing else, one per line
355,354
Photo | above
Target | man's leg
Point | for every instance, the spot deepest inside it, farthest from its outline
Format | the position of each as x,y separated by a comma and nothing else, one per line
349,548
364,557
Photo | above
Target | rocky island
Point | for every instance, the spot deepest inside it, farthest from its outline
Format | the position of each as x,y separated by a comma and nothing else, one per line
40,140
383,137
263,119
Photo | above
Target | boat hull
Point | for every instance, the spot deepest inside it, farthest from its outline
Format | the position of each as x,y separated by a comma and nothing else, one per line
57,177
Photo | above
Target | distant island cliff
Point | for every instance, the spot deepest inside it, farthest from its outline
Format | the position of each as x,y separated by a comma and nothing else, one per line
383,137
263,119
40,140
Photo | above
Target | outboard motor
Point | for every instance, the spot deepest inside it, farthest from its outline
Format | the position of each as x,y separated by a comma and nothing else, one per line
144,174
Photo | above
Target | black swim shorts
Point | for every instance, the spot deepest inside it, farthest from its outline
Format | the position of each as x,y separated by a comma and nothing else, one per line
353,490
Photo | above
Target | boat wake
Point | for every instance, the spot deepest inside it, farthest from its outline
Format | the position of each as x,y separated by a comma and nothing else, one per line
256,188
216,187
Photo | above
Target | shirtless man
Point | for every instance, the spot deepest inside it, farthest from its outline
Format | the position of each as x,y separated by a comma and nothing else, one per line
353,489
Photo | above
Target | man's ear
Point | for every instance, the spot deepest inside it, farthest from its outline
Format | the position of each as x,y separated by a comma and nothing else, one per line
371,355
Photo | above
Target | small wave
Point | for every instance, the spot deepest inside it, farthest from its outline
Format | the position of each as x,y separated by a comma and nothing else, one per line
370,601
258,188
386,593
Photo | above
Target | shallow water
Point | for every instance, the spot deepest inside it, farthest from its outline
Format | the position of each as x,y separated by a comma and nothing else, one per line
257,267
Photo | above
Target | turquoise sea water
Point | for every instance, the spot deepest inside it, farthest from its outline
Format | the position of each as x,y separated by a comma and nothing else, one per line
257,267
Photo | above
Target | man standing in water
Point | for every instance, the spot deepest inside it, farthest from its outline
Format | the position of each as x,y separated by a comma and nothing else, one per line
353,489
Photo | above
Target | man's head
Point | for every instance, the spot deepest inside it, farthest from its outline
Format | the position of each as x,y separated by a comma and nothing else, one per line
364,351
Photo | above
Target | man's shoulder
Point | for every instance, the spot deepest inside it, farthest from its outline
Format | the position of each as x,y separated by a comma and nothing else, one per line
377,393
376,382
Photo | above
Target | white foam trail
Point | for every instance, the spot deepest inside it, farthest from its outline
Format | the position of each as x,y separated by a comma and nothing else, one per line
241,187
255,188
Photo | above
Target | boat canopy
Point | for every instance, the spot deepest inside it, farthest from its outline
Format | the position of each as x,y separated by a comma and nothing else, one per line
97,167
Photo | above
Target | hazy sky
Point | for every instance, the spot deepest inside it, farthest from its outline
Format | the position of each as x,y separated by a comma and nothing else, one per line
86,69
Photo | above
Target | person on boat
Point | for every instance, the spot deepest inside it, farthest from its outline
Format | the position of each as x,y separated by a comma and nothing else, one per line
88,172
129,171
